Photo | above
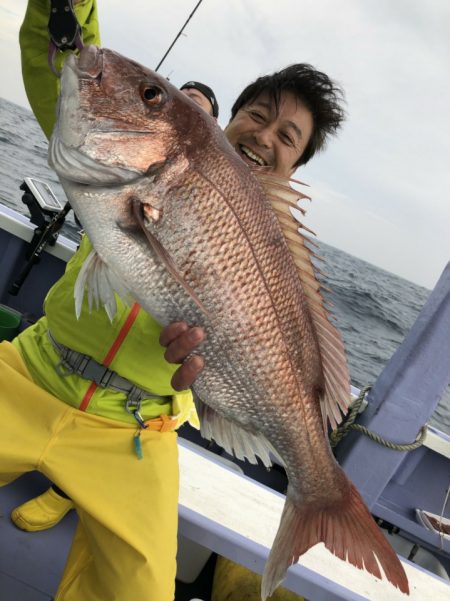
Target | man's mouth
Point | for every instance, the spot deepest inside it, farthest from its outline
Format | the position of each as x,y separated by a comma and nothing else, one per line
252,156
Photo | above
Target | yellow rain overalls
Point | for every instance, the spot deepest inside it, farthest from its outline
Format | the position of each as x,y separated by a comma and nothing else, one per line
80,435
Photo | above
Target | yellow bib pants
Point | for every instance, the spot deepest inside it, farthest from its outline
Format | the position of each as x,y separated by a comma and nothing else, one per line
125,545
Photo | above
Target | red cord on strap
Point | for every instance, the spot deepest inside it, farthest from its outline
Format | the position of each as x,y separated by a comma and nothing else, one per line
131,318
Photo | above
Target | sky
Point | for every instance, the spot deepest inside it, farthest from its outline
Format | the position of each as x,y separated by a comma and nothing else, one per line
381,189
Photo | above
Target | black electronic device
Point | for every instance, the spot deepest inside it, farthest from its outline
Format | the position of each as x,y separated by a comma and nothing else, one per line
44,195
48,215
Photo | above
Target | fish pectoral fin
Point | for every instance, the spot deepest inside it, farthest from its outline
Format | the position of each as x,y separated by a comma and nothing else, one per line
164,256
237,441
101,286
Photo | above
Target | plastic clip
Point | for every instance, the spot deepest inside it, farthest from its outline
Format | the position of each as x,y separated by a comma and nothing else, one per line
63,369
133,406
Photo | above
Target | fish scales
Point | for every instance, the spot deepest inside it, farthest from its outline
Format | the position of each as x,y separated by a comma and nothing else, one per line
280,280
244,288
182,223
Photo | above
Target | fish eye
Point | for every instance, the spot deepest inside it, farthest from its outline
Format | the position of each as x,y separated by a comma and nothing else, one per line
151,95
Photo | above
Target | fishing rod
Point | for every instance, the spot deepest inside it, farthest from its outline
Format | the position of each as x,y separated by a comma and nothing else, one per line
178,35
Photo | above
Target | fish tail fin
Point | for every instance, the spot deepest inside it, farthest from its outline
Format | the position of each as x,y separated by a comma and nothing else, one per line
346,528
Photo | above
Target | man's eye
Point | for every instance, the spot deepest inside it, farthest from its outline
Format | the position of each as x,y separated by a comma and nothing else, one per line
257,116
287,139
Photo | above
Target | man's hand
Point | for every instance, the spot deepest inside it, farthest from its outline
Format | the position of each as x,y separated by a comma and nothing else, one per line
180,340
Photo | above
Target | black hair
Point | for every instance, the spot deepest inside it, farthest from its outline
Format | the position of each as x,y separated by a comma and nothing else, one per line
320,95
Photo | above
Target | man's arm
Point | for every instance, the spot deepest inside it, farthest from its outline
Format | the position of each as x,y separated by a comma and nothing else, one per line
41,85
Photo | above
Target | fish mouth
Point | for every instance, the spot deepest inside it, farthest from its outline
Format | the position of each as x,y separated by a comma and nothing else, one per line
70,154
75,166
89,63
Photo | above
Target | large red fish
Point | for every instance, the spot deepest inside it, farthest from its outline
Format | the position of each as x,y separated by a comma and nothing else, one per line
178,219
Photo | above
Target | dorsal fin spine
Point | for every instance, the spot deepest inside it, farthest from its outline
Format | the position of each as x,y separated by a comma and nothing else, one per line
337,383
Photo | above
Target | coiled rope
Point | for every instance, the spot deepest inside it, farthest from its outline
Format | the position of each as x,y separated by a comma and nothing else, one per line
348,424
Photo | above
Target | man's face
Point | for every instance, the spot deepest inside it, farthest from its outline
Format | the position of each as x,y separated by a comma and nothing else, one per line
199,99
261,136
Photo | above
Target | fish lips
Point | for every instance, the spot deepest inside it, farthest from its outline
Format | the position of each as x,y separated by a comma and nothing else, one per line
90,62
76,166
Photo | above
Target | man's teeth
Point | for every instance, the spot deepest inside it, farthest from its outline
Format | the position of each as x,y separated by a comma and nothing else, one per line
254,157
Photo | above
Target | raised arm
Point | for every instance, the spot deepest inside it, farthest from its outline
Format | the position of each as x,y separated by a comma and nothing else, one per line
41,85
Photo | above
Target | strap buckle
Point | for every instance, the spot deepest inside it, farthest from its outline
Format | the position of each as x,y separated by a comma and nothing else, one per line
73,362
96,372
84,366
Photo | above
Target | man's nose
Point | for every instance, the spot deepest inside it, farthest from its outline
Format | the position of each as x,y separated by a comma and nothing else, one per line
263,137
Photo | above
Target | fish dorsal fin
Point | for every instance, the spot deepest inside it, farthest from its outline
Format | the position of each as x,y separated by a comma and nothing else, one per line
101,285
284,198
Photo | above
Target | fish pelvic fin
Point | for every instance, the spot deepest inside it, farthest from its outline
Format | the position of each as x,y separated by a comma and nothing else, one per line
101,285
346,528
235,440
285,199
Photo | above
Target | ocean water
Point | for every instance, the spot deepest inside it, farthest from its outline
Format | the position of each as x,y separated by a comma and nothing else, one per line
374,309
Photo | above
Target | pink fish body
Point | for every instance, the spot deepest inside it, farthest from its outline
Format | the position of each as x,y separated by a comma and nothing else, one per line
178,220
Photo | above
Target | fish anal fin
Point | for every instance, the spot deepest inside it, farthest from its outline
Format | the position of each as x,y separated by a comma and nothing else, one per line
345,527
235,440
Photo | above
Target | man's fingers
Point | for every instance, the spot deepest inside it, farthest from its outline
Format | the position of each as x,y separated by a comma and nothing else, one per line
172,331
185,375
183,345
180,341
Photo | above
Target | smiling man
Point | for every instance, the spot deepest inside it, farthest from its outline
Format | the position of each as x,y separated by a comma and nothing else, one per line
282,120
279,121
269,135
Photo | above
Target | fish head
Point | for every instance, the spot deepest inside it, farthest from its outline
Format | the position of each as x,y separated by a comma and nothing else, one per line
118,120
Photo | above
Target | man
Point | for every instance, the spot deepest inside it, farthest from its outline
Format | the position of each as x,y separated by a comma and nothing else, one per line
279,121
203,96
80,435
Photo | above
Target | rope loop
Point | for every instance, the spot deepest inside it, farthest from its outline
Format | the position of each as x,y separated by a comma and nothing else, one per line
348,424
